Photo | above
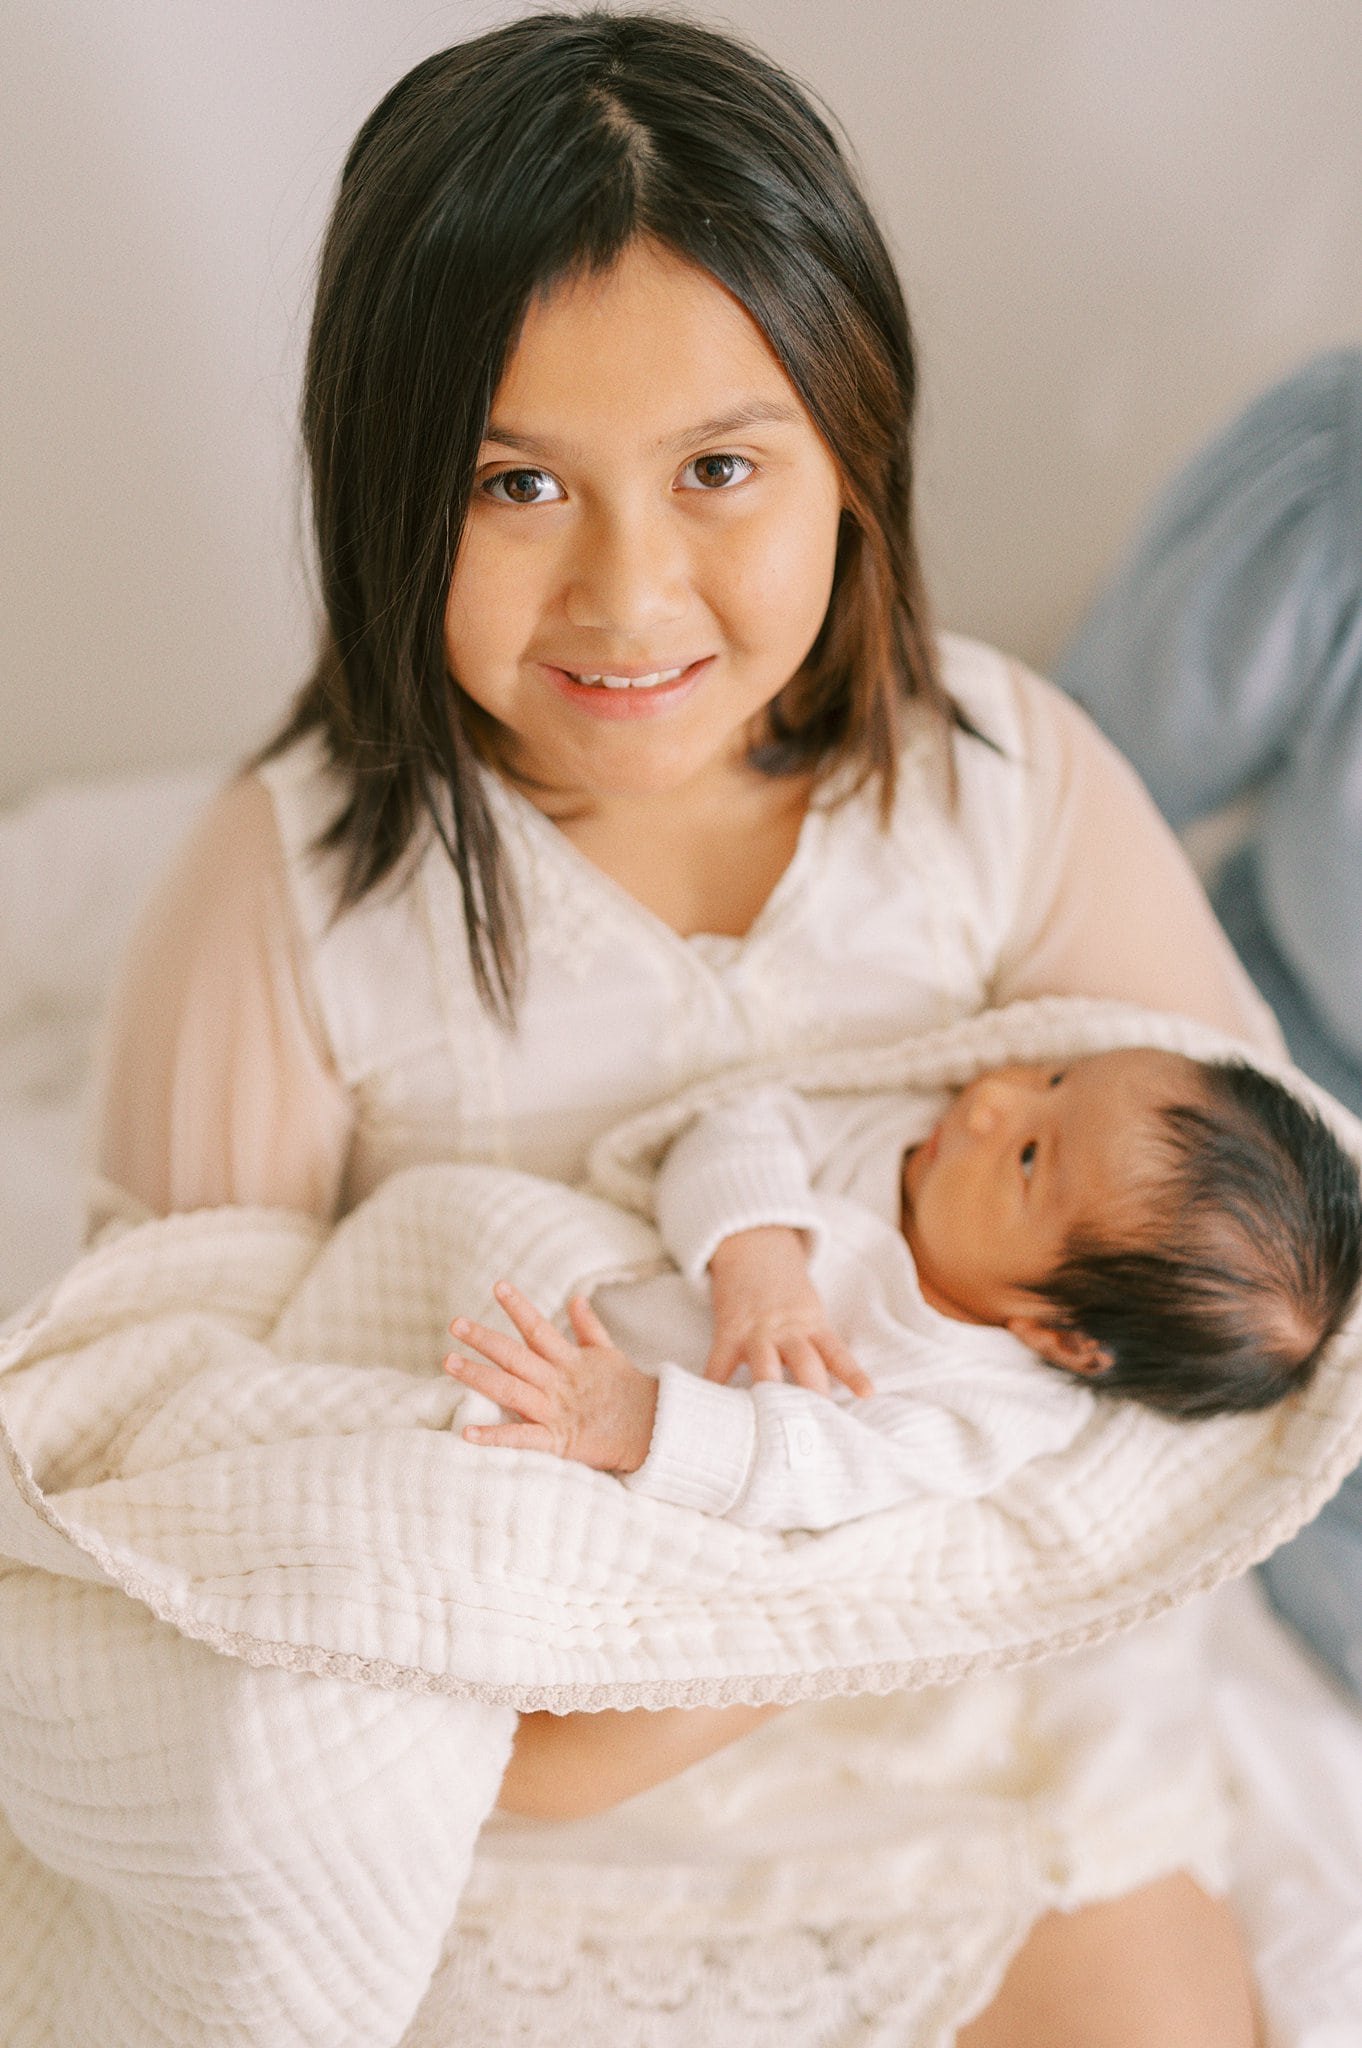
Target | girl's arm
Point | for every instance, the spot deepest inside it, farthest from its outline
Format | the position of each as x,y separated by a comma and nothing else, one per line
215,1086
566,1765
1108,903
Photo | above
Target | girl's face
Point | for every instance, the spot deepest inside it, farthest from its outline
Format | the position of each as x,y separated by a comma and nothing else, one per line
649,551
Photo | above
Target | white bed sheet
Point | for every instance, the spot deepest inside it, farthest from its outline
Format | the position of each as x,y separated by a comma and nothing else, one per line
76,862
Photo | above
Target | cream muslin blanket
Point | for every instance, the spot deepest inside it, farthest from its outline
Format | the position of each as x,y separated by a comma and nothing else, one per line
226,1432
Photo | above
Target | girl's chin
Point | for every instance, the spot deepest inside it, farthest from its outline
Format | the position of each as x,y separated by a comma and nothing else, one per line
566,782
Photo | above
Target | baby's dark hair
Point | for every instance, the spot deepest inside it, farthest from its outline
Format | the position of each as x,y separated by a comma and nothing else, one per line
1257,1263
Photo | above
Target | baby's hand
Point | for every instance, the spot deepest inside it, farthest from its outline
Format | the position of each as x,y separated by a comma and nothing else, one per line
768,1315
585,1401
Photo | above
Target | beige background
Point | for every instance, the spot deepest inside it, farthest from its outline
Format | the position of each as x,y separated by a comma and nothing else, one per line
1115,219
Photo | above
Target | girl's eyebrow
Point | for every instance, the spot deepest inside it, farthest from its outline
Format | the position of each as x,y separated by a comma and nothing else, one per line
755,413
759,412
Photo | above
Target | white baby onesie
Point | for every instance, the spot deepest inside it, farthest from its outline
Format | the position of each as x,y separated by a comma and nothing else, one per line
957,1407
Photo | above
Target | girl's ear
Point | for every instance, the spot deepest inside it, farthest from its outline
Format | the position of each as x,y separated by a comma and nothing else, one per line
1068,1349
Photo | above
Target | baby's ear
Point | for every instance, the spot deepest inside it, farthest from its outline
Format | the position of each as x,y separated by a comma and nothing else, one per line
1071,1350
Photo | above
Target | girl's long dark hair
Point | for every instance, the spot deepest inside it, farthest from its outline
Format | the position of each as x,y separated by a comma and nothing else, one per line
489,172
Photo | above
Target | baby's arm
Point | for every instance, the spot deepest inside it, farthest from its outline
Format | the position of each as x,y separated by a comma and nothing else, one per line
734,1199
775,1456
588,1402
769,1316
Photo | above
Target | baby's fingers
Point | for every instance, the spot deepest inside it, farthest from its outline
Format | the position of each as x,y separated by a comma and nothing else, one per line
511,1436
587,1326
724,1359
803,1364
504,1387
507,1352
843,1366
763,1360
535,1328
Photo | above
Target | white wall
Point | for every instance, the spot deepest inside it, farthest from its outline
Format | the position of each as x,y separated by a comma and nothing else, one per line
1115,219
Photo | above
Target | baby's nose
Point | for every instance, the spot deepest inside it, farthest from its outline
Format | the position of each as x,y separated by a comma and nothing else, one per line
985,1107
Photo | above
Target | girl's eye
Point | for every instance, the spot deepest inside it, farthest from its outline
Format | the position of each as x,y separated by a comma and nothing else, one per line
523,487
716,472
1028,1158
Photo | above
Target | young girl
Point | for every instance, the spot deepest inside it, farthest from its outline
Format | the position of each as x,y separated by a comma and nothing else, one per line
630,756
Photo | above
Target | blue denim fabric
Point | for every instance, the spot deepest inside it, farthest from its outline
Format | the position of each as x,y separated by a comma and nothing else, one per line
1226,654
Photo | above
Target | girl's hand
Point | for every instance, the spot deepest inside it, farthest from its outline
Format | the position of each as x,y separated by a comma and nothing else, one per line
768,1316
585,1401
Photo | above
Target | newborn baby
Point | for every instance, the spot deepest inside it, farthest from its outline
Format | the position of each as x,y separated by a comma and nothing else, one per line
972,1272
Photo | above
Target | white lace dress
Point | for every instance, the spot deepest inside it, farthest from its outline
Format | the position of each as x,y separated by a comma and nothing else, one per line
859,1872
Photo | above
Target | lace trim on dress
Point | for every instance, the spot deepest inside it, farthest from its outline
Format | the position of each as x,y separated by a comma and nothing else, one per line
889,1984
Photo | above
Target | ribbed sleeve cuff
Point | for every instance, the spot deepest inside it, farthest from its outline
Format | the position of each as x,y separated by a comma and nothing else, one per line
703,1443
698,1207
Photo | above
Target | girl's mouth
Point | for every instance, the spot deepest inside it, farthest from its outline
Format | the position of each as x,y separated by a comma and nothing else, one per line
626,694
630,682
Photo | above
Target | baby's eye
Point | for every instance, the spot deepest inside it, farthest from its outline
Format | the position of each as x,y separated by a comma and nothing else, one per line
716,472
1028,1157
523,487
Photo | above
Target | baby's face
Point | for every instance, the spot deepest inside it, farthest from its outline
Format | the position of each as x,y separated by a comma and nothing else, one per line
1024,1157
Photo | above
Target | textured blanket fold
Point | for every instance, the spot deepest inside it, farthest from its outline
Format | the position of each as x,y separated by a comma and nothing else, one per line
229,1430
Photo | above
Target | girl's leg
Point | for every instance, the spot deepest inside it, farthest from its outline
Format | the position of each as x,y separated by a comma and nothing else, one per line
564,1766
1163,1967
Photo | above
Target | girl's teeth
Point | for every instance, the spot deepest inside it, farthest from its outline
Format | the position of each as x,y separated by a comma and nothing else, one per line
661,675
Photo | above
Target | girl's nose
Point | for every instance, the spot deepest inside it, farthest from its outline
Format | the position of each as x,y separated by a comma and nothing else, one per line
628,576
